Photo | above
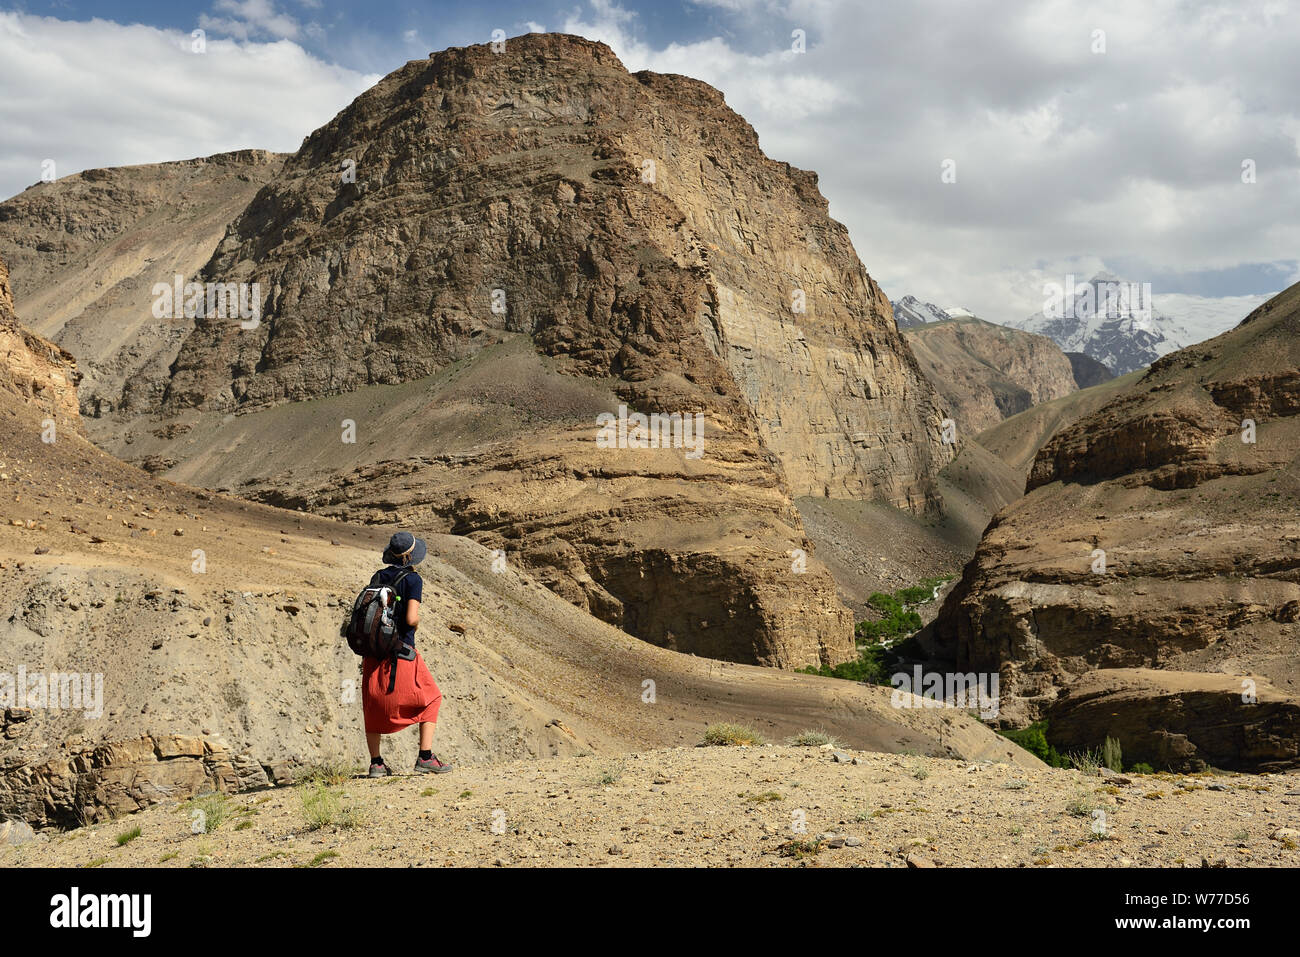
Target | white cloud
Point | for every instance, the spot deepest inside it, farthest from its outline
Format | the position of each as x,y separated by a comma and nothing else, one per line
1065,158
101,94
771,84
250,18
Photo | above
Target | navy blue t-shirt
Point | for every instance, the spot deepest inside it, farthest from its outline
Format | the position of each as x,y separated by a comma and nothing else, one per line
410,588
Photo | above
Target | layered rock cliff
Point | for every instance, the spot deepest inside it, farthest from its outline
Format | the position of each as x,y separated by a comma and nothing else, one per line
635,231
1161,531
38,376
629,234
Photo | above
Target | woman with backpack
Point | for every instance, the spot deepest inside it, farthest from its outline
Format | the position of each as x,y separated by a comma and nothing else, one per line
399,691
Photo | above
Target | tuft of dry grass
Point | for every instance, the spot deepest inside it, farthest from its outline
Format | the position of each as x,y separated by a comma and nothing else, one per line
728,734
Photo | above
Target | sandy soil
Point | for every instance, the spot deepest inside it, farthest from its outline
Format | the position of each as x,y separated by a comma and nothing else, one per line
769,806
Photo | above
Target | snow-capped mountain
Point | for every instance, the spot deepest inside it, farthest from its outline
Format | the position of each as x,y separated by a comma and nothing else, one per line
910,311
1110,319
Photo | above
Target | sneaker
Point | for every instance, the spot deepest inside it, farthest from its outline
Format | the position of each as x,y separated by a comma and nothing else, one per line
432,766
379,771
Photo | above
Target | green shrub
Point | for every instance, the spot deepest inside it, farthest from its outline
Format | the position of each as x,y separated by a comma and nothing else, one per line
323,806
896,620
1034,740
126,837
1081,805
1088,763
898,623
1142,768
330,771
871,666
799,849
207,812
885,604
1111,754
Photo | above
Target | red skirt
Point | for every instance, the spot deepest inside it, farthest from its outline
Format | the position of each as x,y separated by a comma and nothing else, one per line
415,697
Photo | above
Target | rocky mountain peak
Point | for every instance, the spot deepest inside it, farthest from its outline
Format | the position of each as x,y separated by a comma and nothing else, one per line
475,263
628,225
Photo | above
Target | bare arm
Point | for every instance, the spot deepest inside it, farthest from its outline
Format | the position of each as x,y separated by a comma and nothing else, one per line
412,613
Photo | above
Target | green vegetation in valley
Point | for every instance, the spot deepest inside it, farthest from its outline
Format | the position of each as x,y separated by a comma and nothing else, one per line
878,651
1034,740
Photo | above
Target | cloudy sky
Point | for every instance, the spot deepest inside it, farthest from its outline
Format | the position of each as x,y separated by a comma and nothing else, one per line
1078,135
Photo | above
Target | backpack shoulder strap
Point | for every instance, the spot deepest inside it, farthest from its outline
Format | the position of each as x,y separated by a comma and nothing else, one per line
400,575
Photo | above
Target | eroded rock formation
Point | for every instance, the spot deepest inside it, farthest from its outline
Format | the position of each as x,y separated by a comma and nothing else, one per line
1161,531
629,232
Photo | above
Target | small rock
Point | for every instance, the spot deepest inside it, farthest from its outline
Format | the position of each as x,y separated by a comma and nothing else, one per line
16,832
839,757
916,861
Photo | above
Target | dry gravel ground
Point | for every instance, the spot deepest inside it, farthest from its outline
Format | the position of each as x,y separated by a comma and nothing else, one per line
724,807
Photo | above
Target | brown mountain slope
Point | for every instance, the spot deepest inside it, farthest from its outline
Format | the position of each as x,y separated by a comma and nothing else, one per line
1088,372
212,625
986,372
533,239
86,250
1187,485
1016,440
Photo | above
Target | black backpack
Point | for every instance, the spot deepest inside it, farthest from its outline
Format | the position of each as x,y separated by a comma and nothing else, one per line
372,631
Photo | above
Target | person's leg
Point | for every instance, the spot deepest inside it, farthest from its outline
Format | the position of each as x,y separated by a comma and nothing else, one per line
426,735
378,769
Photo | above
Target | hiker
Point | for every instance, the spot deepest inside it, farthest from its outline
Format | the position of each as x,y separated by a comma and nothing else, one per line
398,691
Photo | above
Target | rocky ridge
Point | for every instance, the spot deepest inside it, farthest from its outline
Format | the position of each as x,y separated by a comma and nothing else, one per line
86,251
1160,532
